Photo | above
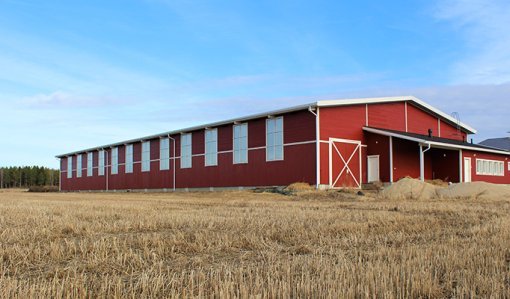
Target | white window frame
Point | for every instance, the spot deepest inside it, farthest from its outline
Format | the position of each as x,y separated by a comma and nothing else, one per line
146,156
508,166
237,150
79,165
211,147
490,167
90,163
186,150
273,136
100,162
164,153
70,167
129,159
115,160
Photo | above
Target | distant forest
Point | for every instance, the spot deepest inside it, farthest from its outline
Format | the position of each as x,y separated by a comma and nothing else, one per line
28,176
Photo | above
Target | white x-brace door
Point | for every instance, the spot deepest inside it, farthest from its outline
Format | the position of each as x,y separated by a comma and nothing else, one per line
346,162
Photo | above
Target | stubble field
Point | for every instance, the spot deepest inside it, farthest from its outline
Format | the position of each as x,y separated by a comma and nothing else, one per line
244,244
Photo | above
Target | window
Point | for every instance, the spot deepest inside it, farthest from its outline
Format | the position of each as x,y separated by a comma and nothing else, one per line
146,156
274,139
69,167
78,166
129,158
211,147
241,143
101,162
90,159
164,154
186,150
508,166
115,160
490,167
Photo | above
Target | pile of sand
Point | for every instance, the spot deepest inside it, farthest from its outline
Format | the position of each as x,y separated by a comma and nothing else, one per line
475,190
408,188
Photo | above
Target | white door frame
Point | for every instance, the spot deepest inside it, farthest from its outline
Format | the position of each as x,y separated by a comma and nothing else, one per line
332,147
369,172
465,170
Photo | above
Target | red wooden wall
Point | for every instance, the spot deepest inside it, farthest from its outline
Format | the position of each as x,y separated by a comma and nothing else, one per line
298,164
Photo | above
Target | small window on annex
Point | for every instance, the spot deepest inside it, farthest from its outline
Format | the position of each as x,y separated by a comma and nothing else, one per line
186,150
211,147
129,158
274,139
241,143
115,160
146,156
90,161
164,154
78,166
69,167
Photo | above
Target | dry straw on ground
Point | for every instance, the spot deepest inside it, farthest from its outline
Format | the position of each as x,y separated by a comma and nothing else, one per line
242,244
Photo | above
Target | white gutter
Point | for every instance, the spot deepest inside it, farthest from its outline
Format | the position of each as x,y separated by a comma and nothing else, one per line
317,147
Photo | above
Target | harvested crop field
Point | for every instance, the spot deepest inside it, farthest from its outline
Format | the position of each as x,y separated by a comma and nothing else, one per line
245,244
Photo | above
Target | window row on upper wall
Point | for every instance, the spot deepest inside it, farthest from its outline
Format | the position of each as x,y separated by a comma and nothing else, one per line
490,167
89,166
274,150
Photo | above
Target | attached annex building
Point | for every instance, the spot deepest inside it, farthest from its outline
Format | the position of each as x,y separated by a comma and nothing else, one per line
330,144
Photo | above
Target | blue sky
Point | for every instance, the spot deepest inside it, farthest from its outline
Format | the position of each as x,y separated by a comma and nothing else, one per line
76,74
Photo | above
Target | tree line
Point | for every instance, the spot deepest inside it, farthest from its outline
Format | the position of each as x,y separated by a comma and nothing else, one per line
28,176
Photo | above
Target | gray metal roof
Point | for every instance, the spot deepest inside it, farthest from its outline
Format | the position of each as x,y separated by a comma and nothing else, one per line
501,143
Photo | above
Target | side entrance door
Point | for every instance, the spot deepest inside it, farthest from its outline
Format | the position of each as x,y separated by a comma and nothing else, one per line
373,168
467,170
344,163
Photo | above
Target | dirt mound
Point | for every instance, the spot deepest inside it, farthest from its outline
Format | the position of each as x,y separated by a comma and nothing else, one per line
475,190
299,187
408,188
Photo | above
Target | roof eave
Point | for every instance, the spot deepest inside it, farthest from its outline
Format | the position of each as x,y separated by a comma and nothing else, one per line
436,143
194,128
344,102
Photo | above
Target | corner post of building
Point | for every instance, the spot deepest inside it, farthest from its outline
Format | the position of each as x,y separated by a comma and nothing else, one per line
391,159
422,164
460,167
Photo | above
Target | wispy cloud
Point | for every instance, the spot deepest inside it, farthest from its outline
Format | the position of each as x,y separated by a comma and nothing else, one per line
484,26
63,100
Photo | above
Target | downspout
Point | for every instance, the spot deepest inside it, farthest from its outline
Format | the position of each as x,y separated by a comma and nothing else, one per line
173,147
422,161
428,148
317,146
59,174
106,169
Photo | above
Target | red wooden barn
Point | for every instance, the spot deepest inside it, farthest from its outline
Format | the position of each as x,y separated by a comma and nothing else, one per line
330,144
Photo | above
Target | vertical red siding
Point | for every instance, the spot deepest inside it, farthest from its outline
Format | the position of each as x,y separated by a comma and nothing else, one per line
419,121
388,116
451,132
298,163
